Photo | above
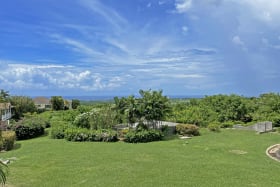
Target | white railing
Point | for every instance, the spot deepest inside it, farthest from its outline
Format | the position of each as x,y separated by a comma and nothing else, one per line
6,116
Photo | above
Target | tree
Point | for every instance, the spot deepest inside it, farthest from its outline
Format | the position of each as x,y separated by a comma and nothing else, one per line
152,106
21,105
4,95
227,107
57,103
75,103
120,108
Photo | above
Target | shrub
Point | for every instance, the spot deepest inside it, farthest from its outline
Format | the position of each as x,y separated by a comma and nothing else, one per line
143,136
97,118
57,130
24,132
82,135
123,132
187,129
214,127
227,125
83,120
8,140
29,128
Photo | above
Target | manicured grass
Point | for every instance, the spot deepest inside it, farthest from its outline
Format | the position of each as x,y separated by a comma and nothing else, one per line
229,158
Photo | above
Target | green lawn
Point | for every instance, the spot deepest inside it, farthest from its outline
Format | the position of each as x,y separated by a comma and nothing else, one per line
212,159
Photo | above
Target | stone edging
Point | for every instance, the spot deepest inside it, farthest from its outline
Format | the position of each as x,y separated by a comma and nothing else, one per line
273,152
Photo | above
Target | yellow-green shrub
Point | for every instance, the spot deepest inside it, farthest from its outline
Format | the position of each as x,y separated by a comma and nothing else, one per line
187,129
8,140
122,132
214,127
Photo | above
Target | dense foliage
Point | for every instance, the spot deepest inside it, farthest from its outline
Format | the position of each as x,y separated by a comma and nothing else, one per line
143,136
22,105
227,110
57,103
152,106
83,134
29,128
96,118
58,130
75,103
4,95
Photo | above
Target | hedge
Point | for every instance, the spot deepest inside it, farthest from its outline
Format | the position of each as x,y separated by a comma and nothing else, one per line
143,136
82,135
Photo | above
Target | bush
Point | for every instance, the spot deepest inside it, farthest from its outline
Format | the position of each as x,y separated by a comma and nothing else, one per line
227,125
57,130
123,132
82,135
97,118
83,120
143,136
214,127
24,132
29,128
8,140
187,129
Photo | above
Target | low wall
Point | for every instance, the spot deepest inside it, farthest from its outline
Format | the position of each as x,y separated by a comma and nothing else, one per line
260,127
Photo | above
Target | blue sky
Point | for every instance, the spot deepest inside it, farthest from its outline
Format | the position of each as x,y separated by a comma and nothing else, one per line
116,47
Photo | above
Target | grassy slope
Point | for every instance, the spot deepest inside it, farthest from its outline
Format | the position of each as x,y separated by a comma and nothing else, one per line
202,161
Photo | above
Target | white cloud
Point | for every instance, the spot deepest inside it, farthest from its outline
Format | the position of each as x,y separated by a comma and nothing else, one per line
266,43
237,41
182,6
181,76
110,15
265,11
185,30
29,76
76,45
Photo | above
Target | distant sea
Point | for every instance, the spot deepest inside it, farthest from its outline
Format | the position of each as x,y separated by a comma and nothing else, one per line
108,98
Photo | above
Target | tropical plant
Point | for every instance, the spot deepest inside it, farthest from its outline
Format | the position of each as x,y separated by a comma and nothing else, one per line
152,106
57,103
3,173
4,95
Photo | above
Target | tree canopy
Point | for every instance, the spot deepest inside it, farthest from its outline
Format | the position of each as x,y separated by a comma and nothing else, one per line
151,106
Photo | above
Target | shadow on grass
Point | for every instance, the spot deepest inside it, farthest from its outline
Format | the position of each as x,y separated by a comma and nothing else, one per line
170,137
17,146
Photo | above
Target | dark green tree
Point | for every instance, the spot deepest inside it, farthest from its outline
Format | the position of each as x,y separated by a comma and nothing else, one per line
153,106
57,103
75,103
4,95
22,105
120,108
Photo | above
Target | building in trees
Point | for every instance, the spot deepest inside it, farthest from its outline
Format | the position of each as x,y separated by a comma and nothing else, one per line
42,103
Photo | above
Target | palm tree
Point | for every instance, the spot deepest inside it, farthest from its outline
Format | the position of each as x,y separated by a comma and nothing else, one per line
3,95
3,172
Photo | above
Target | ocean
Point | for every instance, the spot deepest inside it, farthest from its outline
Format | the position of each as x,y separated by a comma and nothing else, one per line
108,98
